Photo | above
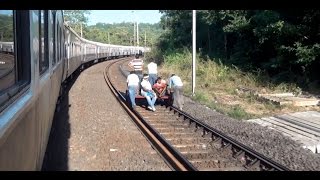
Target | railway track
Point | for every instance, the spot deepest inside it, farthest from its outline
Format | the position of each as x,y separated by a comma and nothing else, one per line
188,144
6,65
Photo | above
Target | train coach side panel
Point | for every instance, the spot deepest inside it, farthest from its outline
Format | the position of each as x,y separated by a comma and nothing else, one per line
43,115
90,52
18,149
24,144
75,54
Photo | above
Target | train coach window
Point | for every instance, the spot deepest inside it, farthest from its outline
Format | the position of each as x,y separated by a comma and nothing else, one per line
58,43
14,54
44,61
51,37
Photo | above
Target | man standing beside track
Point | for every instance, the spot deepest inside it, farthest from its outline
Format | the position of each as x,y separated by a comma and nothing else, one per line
176,85
133,87
152,71
137,65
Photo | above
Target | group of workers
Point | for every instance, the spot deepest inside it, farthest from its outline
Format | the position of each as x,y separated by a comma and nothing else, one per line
151,86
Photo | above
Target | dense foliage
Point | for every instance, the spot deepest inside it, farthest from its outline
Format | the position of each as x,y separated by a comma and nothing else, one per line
6,27
282,43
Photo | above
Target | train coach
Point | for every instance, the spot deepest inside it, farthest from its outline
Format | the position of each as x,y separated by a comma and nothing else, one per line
38,52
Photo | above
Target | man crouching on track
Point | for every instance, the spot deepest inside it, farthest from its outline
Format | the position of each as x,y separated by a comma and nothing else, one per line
148,93
133,87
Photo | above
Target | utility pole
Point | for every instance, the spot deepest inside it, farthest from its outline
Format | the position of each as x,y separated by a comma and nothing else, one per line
81,28
137,33
136,21
134,28
193,51
134,33
145,39
108,37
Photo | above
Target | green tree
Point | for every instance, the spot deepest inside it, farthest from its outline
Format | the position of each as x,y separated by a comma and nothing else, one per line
122,33
6,28
283,43
76,19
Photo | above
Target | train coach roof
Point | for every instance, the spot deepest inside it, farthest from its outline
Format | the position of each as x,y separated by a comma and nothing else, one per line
99,43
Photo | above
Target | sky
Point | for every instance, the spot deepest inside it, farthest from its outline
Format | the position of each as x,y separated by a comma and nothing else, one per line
6,12
118,16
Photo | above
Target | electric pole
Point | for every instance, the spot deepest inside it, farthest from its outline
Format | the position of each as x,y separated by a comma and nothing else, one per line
81,28
134,34
108,37
145,39
193,51
137,33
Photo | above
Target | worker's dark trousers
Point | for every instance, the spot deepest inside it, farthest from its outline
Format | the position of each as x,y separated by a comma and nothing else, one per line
178,97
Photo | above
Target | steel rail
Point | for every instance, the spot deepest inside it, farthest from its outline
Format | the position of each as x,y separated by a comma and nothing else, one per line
172,157
253,158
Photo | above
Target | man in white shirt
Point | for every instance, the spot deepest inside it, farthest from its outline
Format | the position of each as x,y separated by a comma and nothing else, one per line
176,84
148,93
133,86
152,71
137,65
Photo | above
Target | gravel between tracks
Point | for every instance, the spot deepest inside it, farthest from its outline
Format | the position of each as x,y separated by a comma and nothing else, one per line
266,141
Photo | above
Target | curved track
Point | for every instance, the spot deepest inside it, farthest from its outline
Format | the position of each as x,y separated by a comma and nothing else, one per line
188,144
173,159
6,70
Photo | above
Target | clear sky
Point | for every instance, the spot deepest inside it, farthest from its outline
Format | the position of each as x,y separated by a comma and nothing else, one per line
118,16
